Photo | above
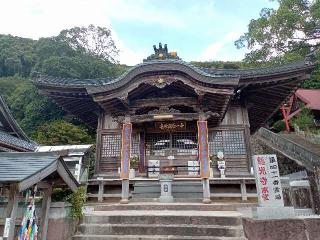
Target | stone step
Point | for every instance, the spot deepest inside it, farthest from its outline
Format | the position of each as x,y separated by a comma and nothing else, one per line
189,189
170,206
151,237
222,218
158,229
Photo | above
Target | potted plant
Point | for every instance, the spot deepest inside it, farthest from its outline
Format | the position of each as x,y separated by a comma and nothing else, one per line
133,165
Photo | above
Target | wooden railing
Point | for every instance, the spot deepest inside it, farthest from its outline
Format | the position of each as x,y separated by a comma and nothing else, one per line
290,149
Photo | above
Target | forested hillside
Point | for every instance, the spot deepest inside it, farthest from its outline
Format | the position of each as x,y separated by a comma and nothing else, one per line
22,58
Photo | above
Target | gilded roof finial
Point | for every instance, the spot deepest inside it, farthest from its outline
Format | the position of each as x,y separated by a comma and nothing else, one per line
161,53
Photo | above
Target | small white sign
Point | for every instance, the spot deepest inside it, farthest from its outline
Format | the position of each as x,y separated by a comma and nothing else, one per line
193,168
153,168
221,165
7,227
268,180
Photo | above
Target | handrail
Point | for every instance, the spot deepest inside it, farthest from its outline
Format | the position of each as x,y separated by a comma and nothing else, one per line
290,148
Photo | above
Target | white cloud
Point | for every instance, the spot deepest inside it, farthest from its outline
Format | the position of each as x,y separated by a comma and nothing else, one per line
218,50
126,55
45,18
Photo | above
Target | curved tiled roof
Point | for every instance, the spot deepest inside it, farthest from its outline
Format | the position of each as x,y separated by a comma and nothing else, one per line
10,140
11,133
155,65
9,122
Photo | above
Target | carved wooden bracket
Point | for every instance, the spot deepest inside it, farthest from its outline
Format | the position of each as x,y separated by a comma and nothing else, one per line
164,110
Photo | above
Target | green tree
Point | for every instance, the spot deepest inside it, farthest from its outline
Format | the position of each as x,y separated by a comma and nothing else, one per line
30,109
283,35
17,55
60,132
304,119
93,40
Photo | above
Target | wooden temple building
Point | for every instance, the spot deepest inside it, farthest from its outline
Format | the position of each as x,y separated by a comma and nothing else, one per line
166,113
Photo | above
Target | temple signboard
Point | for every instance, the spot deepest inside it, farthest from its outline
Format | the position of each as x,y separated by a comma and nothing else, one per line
125,150
203,149
171,126
268,180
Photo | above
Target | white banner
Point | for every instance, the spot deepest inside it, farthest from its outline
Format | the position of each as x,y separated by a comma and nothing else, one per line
7,227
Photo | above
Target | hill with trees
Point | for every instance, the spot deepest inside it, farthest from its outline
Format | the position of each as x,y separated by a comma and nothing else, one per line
67,55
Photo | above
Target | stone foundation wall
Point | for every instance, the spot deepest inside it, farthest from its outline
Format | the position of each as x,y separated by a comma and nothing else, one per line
60,225
282,229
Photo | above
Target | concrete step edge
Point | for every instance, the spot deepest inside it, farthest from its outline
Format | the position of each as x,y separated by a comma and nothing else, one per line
233,227
157,237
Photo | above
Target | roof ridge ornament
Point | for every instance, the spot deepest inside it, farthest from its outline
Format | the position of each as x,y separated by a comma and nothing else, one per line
161,53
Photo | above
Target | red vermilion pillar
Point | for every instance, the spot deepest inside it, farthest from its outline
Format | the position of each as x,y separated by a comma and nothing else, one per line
125,159
204,159
285,118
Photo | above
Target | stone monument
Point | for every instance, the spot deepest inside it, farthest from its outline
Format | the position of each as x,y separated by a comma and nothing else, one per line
270,198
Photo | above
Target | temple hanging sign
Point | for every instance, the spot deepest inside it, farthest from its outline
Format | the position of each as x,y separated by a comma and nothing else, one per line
171,126
125,150
203,149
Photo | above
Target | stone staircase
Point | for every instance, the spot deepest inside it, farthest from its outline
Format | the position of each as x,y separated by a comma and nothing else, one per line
303,154
162,221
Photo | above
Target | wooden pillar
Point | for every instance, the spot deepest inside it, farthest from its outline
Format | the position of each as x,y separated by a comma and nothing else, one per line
125,159
142,152
46,202
12,208
203,146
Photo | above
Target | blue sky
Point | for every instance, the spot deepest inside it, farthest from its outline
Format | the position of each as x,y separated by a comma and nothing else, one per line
200,30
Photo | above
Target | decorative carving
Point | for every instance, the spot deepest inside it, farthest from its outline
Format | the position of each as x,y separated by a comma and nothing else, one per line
119,119
164,110
123,97
199,92
161,82
161,53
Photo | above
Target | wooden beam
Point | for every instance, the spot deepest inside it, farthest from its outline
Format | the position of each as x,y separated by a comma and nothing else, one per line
157,102
30,181
12,208
173,116
46,201
63,172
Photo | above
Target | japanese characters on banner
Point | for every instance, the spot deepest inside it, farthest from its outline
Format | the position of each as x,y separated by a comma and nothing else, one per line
268,180
203,149
125,150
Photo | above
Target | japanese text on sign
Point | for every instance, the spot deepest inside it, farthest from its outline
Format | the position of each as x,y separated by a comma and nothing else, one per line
268,180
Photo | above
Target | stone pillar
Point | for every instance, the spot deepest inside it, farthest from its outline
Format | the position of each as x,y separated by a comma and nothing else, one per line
204,158
166,187
125,159
314,180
